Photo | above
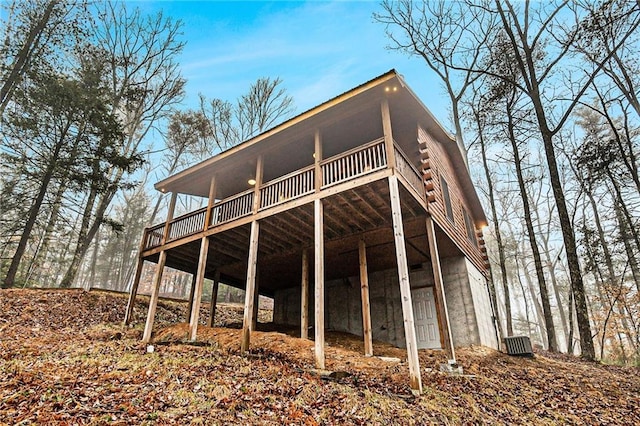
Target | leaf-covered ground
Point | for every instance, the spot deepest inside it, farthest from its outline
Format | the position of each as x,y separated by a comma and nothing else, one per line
65,358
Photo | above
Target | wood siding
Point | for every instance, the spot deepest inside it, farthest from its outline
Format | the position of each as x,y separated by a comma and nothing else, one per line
436,165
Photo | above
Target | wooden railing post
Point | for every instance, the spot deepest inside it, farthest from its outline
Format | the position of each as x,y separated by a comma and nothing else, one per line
170,213
318,158
258,179
210,203
388,134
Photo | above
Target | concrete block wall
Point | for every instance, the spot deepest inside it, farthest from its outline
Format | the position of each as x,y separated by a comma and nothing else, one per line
482,306
343,311
464,327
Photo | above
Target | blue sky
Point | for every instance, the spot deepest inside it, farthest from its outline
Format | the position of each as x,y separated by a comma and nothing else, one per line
319,49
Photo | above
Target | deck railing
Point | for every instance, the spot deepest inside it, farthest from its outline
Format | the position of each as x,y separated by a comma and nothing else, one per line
288,187
353,163
232,208
153,236
408,171
187,224
348,165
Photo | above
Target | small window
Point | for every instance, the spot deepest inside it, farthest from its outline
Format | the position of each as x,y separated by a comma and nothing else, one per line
470,228
447,198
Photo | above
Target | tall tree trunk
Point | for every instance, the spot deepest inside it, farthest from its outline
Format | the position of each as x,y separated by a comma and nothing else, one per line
631,255
536,304
568,236
33,214
498,235
21,63
85,238
542,284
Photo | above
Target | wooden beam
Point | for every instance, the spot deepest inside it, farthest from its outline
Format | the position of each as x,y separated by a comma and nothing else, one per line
364,295
275,240
303,226
290,233
192,291
330,226
353,209
371,208
153,301
341,213
388,134
250,286
405,287
214,298
304,296
197,297
319,283
441,300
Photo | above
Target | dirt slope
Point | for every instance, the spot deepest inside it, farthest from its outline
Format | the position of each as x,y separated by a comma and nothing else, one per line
65,358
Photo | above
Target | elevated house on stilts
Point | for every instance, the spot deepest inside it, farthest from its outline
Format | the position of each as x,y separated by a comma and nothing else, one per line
358,215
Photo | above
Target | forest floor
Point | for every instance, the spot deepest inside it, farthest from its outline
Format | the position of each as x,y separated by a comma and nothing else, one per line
66,358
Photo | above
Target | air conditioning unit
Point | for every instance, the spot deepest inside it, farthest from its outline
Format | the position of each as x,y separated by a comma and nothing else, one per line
518,345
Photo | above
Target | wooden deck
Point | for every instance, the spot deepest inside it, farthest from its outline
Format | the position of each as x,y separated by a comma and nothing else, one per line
358,167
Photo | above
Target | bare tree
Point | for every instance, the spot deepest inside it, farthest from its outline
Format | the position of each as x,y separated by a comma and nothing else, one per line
440,32
260,108
143,75
31,32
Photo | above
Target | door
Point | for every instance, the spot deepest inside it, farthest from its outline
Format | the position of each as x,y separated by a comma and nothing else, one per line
425,319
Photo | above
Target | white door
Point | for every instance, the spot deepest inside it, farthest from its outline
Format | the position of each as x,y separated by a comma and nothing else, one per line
425,319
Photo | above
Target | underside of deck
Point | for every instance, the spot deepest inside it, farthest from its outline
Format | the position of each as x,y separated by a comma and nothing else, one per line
363,212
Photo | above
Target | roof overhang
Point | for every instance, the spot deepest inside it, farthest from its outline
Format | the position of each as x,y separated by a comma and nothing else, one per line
195,180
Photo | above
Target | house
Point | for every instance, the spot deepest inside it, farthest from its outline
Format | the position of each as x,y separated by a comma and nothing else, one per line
358,215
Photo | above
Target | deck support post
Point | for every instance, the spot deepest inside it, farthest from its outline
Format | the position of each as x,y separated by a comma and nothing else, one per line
214,298
199,283
153,301
136,281
441,300
364,294
304,296
250,286
192,290
319,282
405,287
157,280
256,301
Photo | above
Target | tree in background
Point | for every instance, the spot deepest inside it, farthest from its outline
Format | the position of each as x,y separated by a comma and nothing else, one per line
265,103
142,73
546,41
